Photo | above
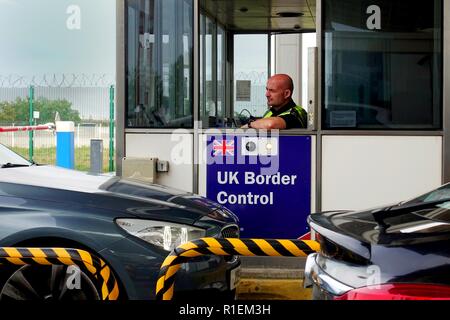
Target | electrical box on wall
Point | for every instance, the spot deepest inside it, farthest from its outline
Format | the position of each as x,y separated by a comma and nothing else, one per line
142,169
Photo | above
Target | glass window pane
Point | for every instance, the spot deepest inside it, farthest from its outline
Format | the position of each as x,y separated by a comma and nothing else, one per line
202,66
382,64
250,75
209,53
159,63
221,64
212,72
208,71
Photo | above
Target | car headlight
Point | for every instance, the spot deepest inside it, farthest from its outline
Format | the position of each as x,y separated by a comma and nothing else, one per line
162,234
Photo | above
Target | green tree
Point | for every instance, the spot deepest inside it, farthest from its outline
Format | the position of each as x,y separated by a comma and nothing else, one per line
18,111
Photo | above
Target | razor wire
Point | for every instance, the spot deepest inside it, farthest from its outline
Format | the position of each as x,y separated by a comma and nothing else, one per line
66,80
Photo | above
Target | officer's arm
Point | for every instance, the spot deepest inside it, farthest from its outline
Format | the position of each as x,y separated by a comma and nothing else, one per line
269,123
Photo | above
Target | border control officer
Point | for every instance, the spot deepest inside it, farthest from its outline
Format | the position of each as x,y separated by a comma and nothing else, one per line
283,112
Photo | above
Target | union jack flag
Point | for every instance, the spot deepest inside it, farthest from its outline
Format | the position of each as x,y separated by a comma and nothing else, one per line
223,147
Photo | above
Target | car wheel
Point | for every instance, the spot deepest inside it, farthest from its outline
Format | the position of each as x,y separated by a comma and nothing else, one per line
55,282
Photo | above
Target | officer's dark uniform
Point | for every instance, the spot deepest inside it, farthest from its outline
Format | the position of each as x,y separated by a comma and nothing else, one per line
295,116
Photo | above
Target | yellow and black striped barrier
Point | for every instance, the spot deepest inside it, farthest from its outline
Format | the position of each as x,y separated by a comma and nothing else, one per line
62,256
226,247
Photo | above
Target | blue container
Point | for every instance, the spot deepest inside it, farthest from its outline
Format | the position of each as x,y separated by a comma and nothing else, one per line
65,151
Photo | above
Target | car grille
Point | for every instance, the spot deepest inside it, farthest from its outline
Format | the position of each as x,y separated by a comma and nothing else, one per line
230,232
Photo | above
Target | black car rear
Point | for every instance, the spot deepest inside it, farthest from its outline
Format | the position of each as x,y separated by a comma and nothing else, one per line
395,252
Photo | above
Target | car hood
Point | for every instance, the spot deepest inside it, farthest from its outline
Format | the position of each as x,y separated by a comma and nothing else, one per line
49,183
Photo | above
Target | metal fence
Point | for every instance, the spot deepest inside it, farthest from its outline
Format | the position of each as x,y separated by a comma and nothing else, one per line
257,105
91,96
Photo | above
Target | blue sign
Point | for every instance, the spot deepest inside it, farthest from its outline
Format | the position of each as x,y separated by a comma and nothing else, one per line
265,181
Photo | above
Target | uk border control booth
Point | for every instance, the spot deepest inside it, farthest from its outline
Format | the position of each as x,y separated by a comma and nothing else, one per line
370,74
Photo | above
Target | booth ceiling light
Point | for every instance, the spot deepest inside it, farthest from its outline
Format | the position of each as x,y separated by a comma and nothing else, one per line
289,14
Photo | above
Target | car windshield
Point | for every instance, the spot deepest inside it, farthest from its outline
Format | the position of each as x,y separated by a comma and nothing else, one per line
9,158
441,193
439,212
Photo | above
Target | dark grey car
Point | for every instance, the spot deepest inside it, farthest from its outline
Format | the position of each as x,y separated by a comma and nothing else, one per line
395,252
131,225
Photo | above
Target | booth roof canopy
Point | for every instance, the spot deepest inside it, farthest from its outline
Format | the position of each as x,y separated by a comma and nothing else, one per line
263,15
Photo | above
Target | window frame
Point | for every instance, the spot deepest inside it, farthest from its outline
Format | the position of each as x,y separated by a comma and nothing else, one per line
438,85
157,63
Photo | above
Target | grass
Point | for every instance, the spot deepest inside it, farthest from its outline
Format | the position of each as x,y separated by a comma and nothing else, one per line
48,156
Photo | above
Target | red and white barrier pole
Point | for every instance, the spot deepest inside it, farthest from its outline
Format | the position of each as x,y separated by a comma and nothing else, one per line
48,126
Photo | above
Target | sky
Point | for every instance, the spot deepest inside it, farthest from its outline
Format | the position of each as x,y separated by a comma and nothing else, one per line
57,37
35,39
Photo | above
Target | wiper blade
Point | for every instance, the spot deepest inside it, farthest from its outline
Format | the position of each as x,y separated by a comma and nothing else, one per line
13,165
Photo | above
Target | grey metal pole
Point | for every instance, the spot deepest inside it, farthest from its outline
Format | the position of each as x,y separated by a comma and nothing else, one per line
96,156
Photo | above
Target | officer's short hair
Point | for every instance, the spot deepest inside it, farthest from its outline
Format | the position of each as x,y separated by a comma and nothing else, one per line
290,84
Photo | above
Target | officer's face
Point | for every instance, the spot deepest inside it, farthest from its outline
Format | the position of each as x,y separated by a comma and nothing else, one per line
276,93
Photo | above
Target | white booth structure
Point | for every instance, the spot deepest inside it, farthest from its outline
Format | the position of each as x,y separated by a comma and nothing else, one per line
373,76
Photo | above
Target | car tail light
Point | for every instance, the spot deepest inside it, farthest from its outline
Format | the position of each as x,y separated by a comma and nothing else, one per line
398,291
318,236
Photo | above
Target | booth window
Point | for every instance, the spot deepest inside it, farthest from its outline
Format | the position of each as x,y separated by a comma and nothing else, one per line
212,72
159,61
382,64
251,72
